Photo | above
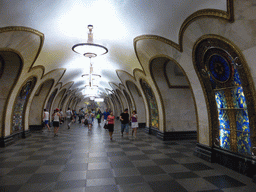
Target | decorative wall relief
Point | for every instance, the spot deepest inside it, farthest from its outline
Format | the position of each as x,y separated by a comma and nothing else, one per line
224,77
20,105
151,100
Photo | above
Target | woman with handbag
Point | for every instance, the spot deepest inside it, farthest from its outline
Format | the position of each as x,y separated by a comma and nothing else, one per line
111,122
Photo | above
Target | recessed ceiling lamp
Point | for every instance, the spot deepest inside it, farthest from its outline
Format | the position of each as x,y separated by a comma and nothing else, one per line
90,49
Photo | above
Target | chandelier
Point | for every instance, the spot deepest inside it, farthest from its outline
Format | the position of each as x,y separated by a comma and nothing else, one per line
90,49
93,79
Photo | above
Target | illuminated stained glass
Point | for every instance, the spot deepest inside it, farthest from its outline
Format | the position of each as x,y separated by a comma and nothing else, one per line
225,139
238,98
219,68
223,119
242,120
152,104
236,78
20,105
243,143
220,99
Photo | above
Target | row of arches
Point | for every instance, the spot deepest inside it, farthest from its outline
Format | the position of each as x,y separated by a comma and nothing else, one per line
204,85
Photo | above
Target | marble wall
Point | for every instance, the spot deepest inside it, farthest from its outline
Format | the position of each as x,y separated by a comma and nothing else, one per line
178,101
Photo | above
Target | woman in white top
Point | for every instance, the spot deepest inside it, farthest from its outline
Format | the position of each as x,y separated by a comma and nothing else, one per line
134,124
56,121
46,119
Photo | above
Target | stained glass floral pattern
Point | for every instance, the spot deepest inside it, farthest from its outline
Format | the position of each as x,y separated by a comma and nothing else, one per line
220,99
243,143
242,121
225,139
236,78
238,98
223,119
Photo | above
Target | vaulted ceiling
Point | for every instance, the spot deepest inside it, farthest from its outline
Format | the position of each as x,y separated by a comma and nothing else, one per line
116,24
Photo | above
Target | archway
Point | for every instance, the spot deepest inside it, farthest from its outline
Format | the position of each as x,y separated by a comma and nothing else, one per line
177,98
229,93
139,103
10,70
38,102
20,104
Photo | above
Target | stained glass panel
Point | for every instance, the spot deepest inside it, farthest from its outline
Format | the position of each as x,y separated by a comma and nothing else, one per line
225,139
20,104
223,119
242,120
152,104
243,143
238,98
236,79
220,99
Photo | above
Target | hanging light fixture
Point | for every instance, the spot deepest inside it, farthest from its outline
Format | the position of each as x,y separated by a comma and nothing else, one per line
92,78
90,49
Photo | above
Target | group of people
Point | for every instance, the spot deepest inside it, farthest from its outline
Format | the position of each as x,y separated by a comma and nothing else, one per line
58,118
109,119
88,118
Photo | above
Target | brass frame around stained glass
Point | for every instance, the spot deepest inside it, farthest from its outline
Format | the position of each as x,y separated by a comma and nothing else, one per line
213,44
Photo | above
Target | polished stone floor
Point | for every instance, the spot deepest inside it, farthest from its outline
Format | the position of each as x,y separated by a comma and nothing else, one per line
78,160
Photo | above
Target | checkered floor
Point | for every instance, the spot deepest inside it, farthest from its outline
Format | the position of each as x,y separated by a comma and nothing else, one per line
78,160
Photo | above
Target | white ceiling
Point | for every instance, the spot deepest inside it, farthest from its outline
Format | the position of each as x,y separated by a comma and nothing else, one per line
116,23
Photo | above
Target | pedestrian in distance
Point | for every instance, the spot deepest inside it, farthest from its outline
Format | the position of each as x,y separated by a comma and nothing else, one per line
105,116
69,115
134,123
56,121
124,118
46,119
111,122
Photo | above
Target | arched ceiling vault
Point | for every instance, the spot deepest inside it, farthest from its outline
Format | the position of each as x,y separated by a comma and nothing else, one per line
116,25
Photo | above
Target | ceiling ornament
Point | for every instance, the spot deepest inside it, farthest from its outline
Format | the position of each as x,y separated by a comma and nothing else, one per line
90,49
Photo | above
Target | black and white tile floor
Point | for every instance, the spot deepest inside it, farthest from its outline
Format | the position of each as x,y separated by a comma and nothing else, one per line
79,161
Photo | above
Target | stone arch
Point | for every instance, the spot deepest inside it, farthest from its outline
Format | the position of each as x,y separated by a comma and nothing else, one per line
177,98
152,104
38,103
11,67
230,94
123,99
57,99
138,100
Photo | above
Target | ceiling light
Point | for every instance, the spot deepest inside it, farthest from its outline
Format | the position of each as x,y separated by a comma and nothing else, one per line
90,49
99,100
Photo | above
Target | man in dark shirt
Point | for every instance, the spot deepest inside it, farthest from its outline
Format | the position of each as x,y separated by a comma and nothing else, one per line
124,117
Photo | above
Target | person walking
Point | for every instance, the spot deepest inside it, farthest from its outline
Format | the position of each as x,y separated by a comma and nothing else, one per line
105,116
98,116
90,118
111,122
80,115
124,117
56,121
46,119
134,124
69,117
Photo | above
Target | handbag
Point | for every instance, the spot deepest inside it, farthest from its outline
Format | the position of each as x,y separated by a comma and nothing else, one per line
105,126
